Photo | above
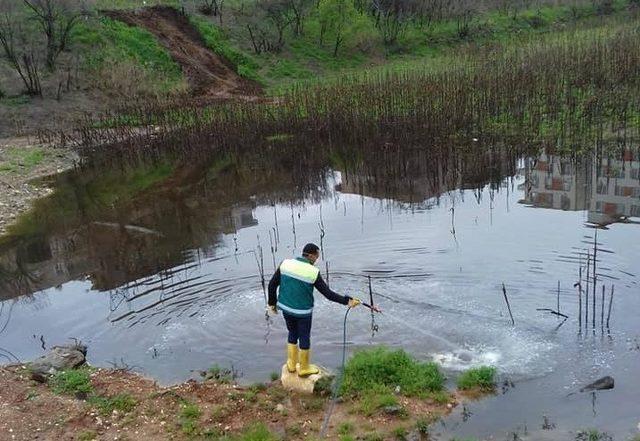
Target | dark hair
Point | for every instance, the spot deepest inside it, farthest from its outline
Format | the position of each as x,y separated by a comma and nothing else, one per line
310,248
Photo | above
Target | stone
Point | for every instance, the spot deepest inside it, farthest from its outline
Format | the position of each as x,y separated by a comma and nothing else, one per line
59,358
306,385
600,384
393,410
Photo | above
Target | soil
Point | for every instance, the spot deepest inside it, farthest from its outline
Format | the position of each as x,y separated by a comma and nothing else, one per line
30,410
209,74
20,181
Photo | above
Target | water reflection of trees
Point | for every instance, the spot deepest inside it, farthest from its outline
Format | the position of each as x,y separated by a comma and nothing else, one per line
118,226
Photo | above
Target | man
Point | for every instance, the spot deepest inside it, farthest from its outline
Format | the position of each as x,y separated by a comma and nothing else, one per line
297,278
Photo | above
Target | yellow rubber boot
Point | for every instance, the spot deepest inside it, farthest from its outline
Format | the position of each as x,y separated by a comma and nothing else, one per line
292,357
305,369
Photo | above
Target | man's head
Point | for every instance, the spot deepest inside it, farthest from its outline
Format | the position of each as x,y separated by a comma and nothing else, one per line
311,252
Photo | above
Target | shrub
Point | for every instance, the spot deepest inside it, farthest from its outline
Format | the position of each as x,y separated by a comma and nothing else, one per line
482,378
382,368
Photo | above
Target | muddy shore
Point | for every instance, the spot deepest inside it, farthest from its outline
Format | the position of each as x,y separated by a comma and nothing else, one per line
192,410
23,164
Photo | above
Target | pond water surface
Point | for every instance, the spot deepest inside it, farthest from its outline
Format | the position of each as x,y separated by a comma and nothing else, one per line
167,281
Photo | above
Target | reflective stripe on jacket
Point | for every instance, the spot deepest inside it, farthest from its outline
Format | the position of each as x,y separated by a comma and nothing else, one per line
296,286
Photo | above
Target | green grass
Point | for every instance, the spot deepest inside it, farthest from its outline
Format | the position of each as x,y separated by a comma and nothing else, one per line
217,41
87,435
106,42
254,432
346,428
482,378
189,416
375,399
384,369
72,382
106,405
16,159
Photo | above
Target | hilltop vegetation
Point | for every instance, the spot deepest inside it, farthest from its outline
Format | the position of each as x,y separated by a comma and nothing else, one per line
93,62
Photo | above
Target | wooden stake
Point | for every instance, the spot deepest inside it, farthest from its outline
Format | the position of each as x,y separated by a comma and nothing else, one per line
506,299
610,302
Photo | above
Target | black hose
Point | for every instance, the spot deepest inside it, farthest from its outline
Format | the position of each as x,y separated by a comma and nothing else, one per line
338,383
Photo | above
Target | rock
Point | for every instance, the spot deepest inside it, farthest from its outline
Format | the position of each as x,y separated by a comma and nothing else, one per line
305,385
393,410
58,359
280,408
600,384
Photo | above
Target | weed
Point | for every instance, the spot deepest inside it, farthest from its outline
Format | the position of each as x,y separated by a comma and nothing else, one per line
189,416
87,435
592,435
72,382
274,376
482,378
347,438
382,368
400,433
255,432
324,386
345,428
313,403
375,399
106,405
220,374
374,436
422,425
440,397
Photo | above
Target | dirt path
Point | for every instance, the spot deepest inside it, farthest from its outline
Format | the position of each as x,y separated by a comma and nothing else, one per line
209,75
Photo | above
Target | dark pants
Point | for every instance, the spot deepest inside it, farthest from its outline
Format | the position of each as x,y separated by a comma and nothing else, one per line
299,330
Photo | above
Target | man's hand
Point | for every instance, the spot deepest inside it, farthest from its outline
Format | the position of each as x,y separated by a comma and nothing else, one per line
272,310
354,302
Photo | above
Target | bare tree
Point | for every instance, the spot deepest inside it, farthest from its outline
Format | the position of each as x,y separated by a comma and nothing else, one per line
266,22
299,10
56,19
21,53
211,7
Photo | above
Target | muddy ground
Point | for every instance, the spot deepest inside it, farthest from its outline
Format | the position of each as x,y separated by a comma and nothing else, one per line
22,163
193,410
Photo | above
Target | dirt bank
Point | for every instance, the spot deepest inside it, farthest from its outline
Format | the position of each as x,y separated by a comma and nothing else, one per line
192,410
22,162
208,74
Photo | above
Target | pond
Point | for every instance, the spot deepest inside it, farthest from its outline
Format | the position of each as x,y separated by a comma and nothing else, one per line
158,269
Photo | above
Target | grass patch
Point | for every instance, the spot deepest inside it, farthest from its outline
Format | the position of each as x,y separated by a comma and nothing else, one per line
106,405
381,369
482,378
72,382
18,159
189,416
254,432
87,435
217,41
345,428
376,399
107,41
